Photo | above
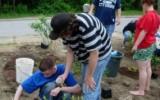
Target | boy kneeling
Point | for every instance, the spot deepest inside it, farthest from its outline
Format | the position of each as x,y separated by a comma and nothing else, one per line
45,80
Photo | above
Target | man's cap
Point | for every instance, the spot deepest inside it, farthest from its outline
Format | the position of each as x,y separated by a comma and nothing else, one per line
59,23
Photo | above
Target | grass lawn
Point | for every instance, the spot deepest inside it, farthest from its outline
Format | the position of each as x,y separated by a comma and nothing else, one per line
16,15
131,12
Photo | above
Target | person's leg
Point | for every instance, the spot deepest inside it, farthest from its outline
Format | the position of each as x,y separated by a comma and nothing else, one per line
110,29
150,52
143,59
149,73
67,96
89,94
45,92
142,78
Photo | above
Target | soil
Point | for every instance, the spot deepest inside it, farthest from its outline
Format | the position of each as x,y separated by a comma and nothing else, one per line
119,85
126,72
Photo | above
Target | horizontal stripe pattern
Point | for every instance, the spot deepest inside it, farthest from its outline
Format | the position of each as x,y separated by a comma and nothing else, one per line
91,36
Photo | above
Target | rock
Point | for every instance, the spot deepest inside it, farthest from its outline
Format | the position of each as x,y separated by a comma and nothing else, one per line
111,80
6,89
126,83
126,97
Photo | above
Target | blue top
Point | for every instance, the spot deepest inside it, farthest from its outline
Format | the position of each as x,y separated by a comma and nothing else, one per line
105,10
37,80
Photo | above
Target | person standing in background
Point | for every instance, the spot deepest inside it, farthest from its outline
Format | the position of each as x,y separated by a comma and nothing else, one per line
128,31
108,12
144,45
86,8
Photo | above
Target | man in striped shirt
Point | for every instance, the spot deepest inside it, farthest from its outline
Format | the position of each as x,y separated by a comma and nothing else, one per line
86,40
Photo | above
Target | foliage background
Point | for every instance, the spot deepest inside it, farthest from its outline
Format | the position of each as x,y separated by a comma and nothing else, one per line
54,6
41,6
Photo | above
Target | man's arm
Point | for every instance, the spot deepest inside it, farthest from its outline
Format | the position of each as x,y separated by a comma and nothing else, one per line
91,9
92,63
69,61
159,29
139,40
76,89
18,93
118,16
118,11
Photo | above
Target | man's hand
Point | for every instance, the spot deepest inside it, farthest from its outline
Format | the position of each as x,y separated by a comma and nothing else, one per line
62,77
89,81
134,48
118,21
59,81
55,92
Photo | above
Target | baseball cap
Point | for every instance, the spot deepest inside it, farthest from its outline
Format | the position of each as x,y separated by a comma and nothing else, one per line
59,23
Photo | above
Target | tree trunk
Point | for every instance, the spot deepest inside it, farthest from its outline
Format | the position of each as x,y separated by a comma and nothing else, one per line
14,2
0,4
158,4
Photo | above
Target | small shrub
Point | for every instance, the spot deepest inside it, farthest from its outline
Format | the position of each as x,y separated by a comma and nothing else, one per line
42,27
155,62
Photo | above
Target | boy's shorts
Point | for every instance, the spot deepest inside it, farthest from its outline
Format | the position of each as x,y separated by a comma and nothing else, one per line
144,54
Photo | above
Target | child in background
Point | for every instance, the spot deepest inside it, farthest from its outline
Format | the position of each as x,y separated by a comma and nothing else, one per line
144,45
128,31
86,8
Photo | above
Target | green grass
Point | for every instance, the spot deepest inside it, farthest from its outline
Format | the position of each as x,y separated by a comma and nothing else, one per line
16,15
76,68
131,13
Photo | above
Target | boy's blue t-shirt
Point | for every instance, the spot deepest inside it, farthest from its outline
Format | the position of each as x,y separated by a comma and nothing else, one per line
37,80
105,10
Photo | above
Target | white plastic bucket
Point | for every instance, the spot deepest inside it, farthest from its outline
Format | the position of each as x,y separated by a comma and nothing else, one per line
24,68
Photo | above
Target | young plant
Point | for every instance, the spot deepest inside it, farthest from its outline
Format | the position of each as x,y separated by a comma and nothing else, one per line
41,26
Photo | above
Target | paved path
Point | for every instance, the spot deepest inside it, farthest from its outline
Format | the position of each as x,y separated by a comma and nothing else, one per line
20,27
17,27
124,21
13,28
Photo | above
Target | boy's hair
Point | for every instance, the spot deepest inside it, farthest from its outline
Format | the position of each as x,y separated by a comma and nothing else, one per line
47,63
148,2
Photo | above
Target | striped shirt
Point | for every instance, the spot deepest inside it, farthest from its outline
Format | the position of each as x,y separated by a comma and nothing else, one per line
91,36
